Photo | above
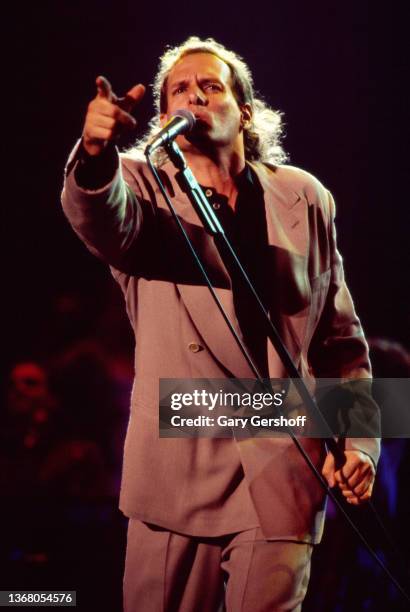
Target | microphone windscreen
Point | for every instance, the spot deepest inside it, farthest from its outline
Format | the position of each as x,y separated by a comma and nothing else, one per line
186,114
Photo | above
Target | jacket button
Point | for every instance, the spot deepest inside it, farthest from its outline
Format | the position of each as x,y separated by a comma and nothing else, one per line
208,193
194,347
216,205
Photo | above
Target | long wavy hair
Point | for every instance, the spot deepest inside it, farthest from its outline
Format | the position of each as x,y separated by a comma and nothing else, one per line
263,134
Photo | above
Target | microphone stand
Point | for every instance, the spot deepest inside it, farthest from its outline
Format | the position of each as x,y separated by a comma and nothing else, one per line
191,187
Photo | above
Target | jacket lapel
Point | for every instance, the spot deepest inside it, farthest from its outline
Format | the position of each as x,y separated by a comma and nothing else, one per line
286,215
288,230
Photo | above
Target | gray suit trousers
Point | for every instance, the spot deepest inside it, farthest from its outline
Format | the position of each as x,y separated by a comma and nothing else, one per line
169,572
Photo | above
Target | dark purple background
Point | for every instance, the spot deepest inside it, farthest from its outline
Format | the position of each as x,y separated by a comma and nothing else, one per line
337,71
330,67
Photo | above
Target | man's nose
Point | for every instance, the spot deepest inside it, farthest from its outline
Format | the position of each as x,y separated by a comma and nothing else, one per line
197,97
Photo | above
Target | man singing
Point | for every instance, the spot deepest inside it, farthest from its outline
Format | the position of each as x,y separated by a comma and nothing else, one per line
215,520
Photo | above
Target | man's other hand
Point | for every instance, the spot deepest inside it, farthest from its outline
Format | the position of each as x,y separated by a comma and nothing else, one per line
355,478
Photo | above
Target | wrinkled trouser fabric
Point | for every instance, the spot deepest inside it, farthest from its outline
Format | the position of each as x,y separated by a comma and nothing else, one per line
169,572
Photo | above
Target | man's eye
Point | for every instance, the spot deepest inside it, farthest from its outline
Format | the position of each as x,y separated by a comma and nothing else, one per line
213,86
179,90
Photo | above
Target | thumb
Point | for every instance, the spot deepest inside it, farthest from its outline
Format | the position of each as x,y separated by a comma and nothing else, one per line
104,89
328,470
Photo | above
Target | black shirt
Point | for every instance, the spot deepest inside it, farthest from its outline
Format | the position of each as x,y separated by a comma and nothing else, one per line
246,229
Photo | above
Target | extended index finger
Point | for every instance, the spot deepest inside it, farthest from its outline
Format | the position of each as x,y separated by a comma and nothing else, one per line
131,98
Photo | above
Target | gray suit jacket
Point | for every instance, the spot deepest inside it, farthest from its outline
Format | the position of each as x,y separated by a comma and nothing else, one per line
191,485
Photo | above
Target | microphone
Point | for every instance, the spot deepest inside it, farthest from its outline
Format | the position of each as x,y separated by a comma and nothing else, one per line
181,121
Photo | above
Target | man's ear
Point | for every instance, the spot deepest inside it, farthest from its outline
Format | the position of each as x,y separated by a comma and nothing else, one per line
246,115
163,118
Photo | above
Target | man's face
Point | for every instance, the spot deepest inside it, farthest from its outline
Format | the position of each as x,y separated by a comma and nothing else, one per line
201,83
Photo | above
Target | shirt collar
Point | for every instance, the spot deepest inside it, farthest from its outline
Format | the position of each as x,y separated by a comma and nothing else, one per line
246,179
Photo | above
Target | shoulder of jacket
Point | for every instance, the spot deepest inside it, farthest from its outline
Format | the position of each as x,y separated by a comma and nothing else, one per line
135,170
302,182
297,179
133,160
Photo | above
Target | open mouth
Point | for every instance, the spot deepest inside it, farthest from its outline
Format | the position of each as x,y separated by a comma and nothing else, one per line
201,123
201,117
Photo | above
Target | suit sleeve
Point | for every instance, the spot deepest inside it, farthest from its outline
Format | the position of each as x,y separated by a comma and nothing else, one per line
108,219
339,349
